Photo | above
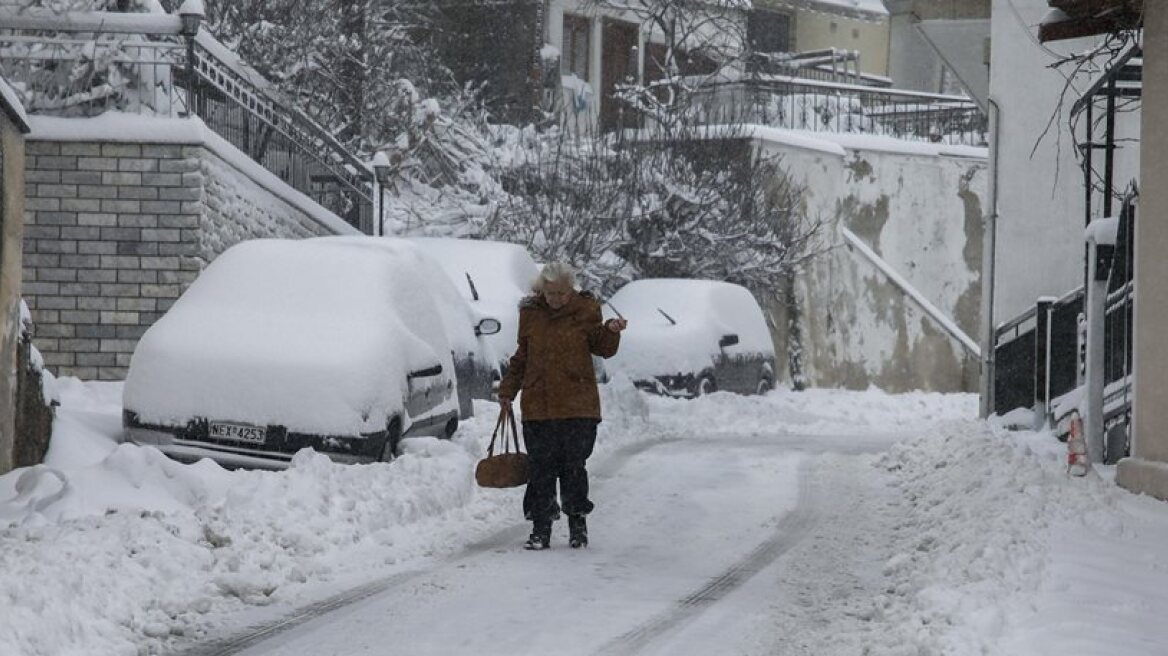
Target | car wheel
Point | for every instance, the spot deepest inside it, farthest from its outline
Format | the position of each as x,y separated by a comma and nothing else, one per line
706,385
764,386
392,440
451,426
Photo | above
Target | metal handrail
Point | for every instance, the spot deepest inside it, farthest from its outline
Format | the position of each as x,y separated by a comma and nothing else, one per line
797,103
167,75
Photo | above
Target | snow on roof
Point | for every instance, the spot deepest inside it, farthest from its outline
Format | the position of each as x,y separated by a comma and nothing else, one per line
704,311
311,335
863,9
500,270
439,290
869,6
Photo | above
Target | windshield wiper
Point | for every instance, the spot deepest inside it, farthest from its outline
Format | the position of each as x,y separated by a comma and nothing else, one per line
470,281
667,316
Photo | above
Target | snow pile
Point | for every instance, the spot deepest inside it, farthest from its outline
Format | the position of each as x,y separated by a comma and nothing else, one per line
812,412
115,549
1003,553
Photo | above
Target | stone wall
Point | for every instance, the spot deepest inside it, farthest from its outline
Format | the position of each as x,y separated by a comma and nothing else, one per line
919,208
116,231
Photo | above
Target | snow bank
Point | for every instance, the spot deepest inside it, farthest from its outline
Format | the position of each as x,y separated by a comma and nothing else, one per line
811,412
1002,553
114,549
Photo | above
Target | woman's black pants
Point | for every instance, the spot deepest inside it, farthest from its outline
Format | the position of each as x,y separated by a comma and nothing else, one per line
556,450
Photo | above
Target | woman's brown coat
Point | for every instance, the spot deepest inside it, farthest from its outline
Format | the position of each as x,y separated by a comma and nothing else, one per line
552,364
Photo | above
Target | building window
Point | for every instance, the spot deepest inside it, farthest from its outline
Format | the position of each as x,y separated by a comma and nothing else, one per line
577,42
769,31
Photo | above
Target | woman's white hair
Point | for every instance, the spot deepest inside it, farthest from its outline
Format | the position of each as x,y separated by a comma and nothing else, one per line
554,272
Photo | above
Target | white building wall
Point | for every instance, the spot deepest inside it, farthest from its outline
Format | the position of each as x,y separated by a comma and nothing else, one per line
1041,200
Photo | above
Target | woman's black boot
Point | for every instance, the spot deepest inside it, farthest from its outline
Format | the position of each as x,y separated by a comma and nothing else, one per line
541,536
577,531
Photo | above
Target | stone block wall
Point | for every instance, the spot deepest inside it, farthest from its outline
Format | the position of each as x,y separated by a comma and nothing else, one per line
114,232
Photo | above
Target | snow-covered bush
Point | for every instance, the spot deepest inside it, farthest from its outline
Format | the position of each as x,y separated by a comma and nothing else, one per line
690,205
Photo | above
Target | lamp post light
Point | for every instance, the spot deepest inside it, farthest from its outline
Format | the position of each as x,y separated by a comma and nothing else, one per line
191,13
381,167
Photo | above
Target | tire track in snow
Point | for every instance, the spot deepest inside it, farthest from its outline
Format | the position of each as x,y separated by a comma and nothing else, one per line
504,538
795,526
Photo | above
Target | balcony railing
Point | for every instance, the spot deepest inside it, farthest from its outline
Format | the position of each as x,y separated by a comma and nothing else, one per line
81,65
818,106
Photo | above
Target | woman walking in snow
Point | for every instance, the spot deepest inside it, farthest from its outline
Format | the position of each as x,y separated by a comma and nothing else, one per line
560,329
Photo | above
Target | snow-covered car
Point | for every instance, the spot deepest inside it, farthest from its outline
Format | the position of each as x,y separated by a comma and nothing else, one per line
471,332
280,345
492,276
691,337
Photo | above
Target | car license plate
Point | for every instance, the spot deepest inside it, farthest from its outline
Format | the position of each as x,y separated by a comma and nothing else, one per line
238,432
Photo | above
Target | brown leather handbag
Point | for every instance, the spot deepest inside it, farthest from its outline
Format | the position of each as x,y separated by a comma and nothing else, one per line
509,467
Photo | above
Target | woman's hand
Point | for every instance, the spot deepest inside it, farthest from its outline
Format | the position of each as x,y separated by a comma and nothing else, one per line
616,325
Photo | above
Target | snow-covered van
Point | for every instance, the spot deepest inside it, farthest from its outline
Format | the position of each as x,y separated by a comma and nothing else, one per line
692,337
281,345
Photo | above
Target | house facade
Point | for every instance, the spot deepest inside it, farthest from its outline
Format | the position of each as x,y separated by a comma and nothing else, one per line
940,46
599,46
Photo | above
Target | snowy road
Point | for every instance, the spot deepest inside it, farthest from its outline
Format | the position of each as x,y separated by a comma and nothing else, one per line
682,528
814,523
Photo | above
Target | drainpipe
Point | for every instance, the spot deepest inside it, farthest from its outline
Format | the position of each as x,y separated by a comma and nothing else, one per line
988,258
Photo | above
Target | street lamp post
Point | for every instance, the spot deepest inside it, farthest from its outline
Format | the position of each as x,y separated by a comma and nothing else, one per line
381,168
191,12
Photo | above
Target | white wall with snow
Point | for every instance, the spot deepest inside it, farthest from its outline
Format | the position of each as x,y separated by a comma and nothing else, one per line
919,208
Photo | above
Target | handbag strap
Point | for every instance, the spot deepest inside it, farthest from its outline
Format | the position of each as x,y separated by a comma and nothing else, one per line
500,424
510,431
514,430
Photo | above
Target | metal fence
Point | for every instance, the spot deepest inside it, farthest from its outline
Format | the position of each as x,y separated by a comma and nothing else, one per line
1036,355
825,65
82,65
801,104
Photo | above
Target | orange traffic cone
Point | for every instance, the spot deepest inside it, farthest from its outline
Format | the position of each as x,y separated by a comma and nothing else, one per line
1077,463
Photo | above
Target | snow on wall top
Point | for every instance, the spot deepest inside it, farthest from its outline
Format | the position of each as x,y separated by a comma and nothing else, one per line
123,127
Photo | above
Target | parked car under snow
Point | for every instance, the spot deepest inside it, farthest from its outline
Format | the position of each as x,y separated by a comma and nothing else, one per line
691,337
281,345
492,276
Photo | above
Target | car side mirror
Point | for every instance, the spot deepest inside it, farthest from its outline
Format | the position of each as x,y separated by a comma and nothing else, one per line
488,327
425,373
727,340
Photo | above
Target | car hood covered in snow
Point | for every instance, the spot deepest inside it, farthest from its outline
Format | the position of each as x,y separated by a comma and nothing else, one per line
313,336
704,311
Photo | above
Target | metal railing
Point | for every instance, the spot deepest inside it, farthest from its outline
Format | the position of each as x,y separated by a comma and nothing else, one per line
1036,354
82,65
826,65
800,104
